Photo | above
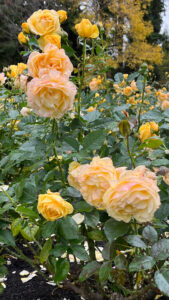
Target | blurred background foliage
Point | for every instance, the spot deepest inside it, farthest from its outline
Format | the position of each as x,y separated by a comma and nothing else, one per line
133,28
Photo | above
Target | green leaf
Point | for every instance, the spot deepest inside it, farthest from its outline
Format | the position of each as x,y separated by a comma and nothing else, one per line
92,116
152,116
88,270
27,212
118,77
72,143
29,232
113,229
82,206
61,270
94,140
72,192
80,252
162,280
58,250
152,143
16,226
121,262
160,162
163,211
7,238
141,263
69,51
48,229
96,235
160,250
92,218
68,229
135,241
3,271
45,251
105,271
150,234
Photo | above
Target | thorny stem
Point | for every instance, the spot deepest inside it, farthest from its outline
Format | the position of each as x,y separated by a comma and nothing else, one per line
9,197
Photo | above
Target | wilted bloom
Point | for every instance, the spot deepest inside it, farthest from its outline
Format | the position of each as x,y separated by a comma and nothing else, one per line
21,82
52,59
25,111
62,15
52,95
25,27
43,22
86,30
135,194
2,78
165,105
52,206
147,130
52,38
127,91
22,38
94,179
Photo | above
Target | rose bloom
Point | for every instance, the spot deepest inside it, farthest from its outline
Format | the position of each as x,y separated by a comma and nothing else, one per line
125,76
25,27
62,15
91,108
86,30
162,96
94,179
42,22
21,82
52,95
133,86
74,172
21,67
94,84
52,206
146,130
2,78
22,38
127,91
52,38
52,59
165,105
135,194
25,111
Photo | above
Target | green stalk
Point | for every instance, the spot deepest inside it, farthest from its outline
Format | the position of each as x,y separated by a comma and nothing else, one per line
82,77
129,152
142,100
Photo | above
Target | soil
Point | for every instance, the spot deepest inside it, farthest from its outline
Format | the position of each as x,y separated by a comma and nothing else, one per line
34,289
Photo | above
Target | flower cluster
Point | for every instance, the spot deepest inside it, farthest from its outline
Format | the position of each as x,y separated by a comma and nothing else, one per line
147,130
122,193
50,93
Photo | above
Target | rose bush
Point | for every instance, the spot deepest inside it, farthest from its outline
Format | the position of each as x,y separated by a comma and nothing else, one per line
84,175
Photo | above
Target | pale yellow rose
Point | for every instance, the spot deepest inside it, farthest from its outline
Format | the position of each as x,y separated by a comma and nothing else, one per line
165,105
133,195
22,38
127,91
52,206
25,111
94,84
52,95
133,85
162,96
86,30
94,179
62,15
43,22
74,172
25,27
52,38
52,59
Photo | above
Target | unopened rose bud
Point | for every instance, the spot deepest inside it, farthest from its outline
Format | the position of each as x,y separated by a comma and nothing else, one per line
25,111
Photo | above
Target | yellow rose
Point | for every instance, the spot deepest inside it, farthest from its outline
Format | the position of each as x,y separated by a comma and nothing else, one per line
162,96
165,105
52,38
135,194
13,71
146,130
22,38
43,22
25,27
125,76
94,179
127,91
86,30
21,67
52,206
62,15
74,171
91,108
